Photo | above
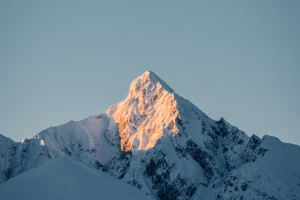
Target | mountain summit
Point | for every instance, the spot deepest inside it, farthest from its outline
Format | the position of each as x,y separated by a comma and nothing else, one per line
150,76
165,146
149,108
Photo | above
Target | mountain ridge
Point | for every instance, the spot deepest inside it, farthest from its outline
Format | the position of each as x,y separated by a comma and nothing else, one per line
166,147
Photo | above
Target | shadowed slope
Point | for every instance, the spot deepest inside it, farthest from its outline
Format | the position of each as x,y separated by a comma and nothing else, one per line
63,179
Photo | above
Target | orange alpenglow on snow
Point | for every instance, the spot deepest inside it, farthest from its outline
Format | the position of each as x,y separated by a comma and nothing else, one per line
148,112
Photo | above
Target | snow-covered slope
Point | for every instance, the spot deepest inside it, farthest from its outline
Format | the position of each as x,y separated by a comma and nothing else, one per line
64,179
168,148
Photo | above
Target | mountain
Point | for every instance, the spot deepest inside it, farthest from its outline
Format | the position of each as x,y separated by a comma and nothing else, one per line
166,147
64,178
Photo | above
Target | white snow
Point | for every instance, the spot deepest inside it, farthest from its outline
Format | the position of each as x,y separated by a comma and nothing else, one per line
151,129
64,179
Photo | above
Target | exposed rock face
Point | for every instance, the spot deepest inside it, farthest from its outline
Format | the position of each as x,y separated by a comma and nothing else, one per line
165,146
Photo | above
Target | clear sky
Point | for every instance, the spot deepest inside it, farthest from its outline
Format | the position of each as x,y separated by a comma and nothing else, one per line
66,60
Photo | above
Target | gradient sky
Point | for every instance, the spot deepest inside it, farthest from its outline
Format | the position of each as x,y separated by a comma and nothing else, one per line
66,60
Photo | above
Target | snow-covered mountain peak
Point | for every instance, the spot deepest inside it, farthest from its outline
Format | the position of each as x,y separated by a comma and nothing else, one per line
152,79
152,109
149,111
185,154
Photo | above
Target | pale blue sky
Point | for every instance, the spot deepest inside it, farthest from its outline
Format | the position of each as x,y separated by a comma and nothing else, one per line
66,60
